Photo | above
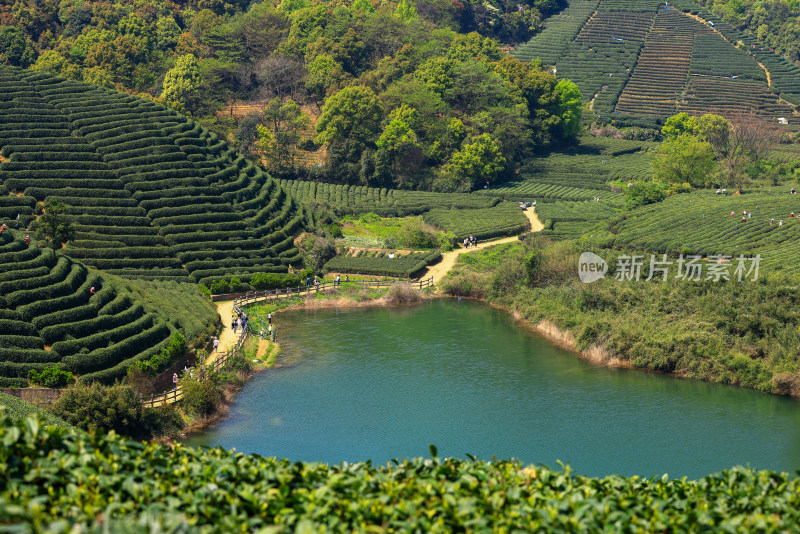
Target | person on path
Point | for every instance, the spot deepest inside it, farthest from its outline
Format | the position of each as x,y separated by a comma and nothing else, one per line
316,283
308,281
261,335
347,278
338,279
174,380
274,334
216,343
269,317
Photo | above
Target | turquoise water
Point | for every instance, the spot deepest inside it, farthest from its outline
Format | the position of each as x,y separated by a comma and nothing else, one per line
383,383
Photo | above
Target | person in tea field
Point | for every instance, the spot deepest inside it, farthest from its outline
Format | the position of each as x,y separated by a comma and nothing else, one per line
744,219
749,214
780,223
732,214
27,240
2,228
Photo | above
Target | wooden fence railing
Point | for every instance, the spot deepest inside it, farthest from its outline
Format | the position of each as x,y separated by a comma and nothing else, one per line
266,294
176,394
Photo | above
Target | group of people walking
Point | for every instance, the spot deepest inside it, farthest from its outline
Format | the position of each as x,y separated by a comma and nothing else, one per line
470,241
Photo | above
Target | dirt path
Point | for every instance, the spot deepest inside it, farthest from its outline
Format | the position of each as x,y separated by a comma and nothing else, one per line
439,270
227,339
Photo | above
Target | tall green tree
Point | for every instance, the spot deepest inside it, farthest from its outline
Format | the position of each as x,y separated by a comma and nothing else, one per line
686,158
15,48
279,136
181,81
54,225
570,107
352,114
475,164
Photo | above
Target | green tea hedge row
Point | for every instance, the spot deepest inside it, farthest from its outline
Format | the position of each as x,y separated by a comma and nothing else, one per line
399,266
8,354
106,358
54,289
88,327
107,337
73,300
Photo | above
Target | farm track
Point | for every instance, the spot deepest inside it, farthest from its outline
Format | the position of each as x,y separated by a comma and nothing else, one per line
439,270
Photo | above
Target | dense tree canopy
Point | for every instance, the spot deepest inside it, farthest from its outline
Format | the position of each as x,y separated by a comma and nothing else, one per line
403,90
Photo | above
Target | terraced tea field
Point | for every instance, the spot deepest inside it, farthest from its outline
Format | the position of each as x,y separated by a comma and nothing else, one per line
49,316
660,74
579,175
356,199
701,223
640,61
382,263
559,30
502,220
153,195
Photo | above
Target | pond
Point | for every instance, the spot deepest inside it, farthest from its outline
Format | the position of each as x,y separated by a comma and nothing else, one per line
384,383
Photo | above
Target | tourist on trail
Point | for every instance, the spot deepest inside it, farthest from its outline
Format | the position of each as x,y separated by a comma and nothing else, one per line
261,334
466,242
216,344
308,281
338,280
316,283
234,326
174,380
274,334
269,317
347,278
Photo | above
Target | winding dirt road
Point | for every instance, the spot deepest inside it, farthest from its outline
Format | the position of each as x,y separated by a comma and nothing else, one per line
439,270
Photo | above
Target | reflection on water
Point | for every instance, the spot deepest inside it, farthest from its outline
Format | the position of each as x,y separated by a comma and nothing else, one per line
378,384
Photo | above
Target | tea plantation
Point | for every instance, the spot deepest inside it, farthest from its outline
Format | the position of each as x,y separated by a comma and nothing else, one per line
701,223
505,219
56,312
56,480
638,62
357,199
153,195
382,263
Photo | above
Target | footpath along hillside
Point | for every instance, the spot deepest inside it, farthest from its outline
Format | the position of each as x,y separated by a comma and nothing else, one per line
227,338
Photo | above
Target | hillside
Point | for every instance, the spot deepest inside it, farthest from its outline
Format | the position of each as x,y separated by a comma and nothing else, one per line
640,61
49,316
153,195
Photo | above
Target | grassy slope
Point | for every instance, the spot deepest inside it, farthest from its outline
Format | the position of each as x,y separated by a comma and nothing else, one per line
743,333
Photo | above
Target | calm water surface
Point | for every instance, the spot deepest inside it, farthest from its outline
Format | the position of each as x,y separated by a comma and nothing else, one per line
378,383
